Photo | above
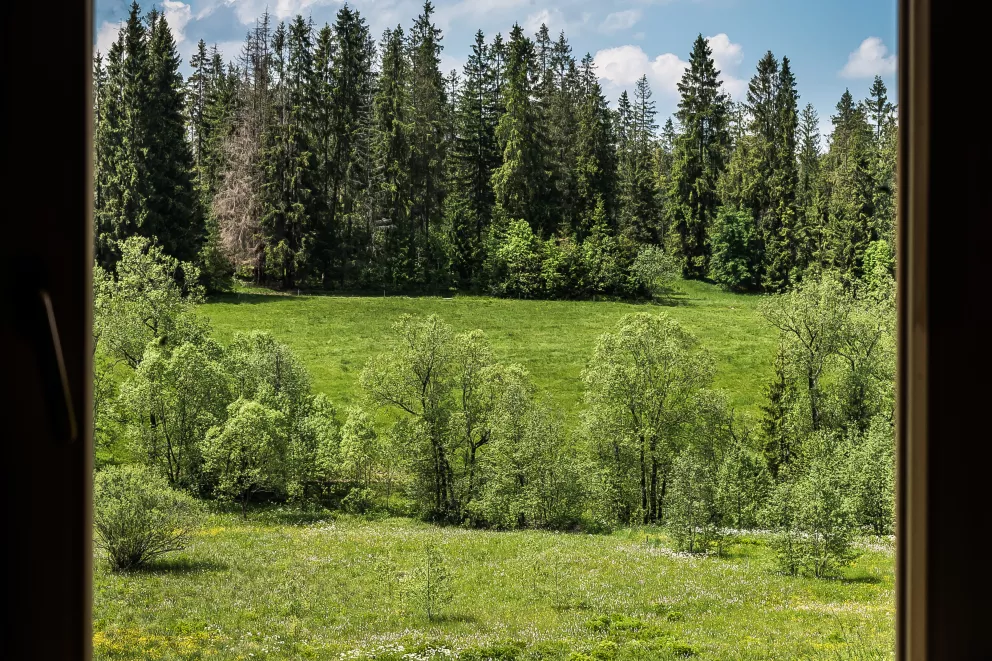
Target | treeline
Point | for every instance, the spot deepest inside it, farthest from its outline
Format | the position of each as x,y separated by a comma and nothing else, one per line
447,432
321,158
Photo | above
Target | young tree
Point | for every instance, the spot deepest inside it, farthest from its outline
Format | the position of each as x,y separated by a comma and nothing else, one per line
245,455
416,379
642,383
429,584
171,402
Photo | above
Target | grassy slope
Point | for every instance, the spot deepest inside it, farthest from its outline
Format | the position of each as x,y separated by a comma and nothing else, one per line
553,339
281,590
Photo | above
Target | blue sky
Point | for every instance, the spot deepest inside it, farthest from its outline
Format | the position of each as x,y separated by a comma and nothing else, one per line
832,44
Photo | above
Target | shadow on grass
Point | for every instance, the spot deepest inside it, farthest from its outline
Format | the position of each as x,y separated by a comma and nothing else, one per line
865,579
180,565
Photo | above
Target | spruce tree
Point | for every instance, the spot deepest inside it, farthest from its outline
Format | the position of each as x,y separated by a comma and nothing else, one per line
175,214
347,92
427,111
596,159
639,208
473,157
810,232
699,158
850,181
287,183
394,243
780,241
519,180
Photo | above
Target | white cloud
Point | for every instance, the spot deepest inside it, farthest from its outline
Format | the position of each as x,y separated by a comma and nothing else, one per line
728,56
106,35
248,11
620,20
871,59
177,15
553,18
623,65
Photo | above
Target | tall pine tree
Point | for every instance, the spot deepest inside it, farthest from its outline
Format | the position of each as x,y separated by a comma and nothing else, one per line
700,156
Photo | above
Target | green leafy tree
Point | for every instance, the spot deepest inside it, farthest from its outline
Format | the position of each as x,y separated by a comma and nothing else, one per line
246,454
641,383
360,449
515,265
172,401
810,319
150,296
416,378
872,475
817,516
692,514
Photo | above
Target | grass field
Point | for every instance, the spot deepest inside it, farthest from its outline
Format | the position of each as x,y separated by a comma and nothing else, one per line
288,585
317,588
334,336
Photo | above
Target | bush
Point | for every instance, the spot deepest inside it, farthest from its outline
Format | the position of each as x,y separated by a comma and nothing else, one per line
562,268
138,517
656,271
815,515
516,267
358,501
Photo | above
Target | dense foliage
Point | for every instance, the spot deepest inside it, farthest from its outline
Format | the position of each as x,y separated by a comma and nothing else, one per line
138,517
318,158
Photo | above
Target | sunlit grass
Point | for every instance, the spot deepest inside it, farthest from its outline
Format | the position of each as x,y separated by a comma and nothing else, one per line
335,336
288,587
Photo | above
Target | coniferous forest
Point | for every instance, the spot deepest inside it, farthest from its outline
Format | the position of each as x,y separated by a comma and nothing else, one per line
327,158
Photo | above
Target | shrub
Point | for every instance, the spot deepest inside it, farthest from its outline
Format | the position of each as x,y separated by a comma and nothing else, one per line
138,517
815,514
562,268
516,268
358,501
656,271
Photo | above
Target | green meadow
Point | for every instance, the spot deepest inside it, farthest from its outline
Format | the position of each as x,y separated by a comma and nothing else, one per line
335,336
288,586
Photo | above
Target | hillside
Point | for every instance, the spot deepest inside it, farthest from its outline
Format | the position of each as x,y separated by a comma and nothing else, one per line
335,335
